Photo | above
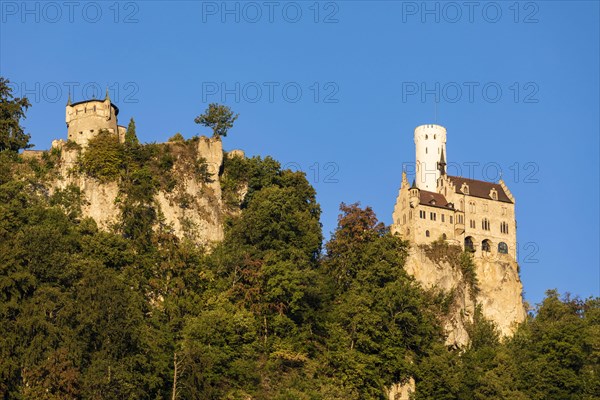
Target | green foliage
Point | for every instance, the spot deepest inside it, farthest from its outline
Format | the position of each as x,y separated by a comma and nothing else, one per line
178,137
131,138
217,117
249,174
12,110
379,323
89,314
554,355
104,158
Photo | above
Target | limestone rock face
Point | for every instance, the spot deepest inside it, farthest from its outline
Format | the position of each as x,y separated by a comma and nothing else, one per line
499,292
402,391
195,211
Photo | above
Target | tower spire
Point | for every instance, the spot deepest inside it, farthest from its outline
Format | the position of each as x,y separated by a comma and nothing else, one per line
107,95
442,164
69,99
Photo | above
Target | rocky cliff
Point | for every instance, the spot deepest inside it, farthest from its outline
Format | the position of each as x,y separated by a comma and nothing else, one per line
492,282
193,208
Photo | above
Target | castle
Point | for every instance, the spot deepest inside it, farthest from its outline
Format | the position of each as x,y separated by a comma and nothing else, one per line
86,118
477,215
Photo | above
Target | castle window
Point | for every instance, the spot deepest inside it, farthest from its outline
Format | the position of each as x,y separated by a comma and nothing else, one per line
434,136
502,248
410,214
451,219
469,244
494,194
422,214
444,237
432,216
425,150
504,227
472,223
485,224
94,108
462,205
464,188
443,218
427,233
426,137
486,245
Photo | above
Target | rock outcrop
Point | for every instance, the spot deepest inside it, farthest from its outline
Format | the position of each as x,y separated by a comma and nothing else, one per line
496,288
199,218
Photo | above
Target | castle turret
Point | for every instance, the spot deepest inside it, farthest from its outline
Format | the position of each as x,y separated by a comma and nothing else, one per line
86,118
430,144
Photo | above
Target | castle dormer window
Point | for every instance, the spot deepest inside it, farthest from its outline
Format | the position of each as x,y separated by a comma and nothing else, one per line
464,188
494,194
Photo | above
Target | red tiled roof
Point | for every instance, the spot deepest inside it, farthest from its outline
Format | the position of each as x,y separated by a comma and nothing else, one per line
479,188
433,199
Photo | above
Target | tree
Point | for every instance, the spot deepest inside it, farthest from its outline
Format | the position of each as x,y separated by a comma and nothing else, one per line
12,109
131,138
218,117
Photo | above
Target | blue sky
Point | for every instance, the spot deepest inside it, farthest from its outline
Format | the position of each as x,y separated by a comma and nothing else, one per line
337,88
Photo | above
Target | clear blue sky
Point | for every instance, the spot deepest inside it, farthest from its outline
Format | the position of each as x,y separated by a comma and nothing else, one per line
517,87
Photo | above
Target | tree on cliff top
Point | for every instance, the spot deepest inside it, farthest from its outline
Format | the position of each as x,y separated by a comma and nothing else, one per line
130,135
12,109
218,117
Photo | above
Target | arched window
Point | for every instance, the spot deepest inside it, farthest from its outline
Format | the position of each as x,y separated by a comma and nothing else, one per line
444,236
469,244
486,245
427,233
502,248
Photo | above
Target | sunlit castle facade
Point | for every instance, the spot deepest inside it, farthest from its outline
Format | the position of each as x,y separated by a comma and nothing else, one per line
477,215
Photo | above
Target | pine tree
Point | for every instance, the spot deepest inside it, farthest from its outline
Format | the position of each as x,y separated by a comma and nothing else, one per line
131,138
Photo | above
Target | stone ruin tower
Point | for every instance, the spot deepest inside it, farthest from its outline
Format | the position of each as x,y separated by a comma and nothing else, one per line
85,119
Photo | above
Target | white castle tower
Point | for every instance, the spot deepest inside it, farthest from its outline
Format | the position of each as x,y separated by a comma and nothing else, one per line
430,144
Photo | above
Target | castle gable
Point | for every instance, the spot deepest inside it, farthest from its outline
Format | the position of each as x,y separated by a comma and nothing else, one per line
480,189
